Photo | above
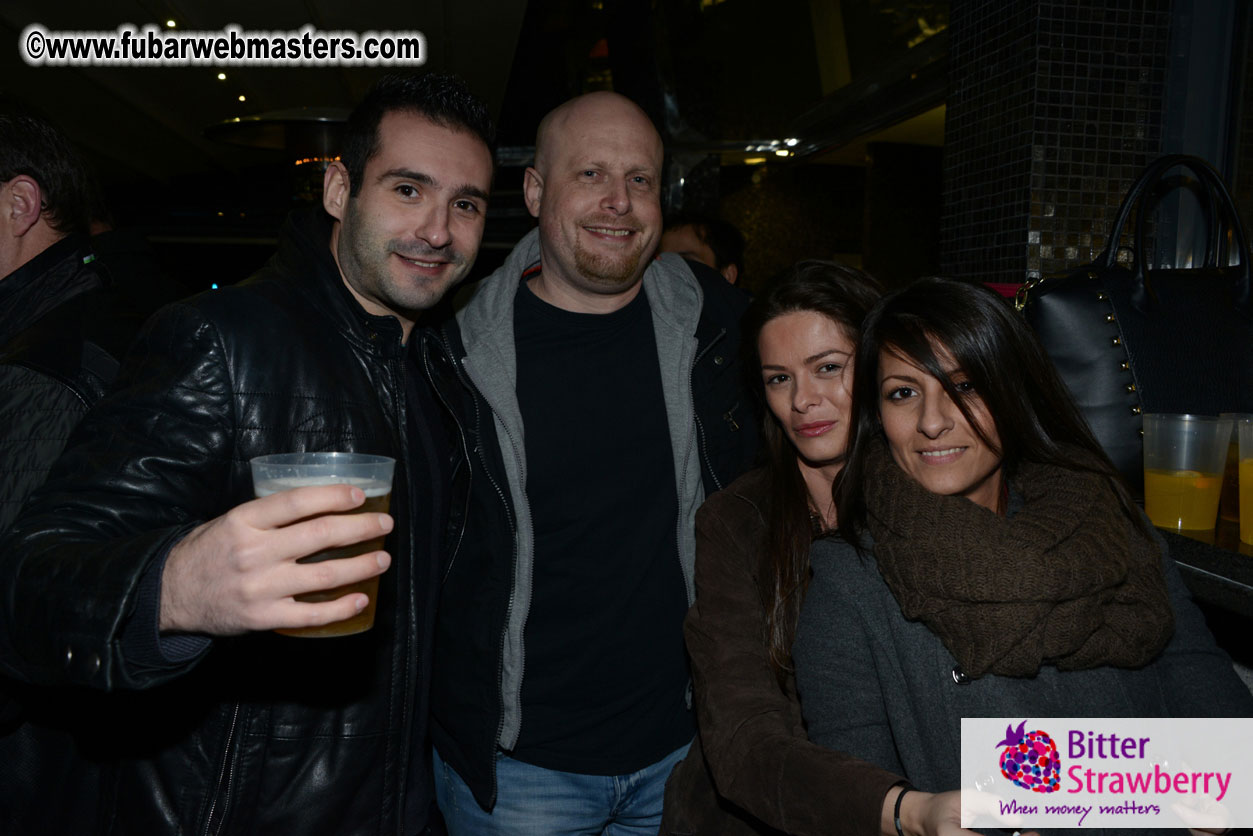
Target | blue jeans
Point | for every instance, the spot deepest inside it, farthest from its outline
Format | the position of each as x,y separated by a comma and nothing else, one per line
545,802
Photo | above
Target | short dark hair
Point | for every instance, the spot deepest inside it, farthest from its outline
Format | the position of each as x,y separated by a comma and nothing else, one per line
1035,416
723,238
843,295
442,98
31,145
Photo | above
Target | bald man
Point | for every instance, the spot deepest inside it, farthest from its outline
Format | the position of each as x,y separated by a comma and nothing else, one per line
600,388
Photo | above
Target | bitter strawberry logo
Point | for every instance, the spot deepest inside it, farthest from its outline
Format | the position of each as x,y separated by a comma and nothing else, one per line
1030,759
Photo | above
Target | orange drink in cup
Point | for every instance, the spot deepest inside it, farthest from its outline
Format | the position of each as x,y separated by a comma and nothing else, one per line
1184,456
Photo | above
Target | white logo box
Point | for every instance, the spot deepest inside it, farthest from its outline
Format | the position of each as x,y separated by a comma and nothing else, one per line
1112,772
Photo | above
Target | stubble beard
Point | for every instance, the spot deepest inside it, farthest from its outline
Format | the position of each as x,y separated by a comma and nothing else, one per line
369,263
607,271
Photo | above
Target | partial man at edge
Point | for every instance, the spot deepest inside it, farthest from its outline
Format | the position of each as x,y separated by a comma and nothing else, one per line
61,335
713,242
58,349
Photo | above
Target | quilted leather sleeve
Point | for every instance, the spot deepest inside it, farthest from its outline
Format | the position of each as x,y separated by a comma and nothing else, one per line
37,414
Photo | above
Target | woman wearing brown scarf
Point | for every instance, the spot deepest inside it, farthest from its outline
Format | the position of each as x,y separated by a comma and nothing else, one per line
1003,568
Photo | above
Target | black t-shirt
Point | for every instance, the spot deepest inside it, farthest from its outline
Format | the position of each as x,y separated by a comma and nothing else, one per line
604,688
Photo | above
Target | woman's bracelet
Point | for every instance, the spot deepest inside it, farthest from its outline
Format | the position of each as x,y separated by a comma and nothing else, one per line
896,811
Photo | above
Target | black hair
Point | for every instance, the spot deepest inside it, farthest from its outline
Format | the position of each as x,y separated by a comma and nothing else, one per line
1000,358
30,145
442,98
723,238
844,295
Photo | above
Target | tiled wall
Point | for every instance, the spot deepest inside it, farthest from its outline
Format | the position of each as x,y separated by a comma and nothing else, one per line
1055,107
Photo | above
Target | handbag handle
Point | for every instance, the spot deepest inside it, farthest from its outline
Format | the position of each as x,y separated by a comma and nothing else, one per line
1214,189
1218,198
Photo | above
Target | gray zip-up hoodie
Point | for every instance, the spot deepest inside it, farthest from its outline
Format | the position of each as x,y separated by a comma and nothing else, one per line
486,324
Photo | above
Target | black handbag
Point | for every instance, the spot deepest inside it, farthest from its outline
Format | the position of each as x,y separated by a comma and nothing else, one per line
1132,340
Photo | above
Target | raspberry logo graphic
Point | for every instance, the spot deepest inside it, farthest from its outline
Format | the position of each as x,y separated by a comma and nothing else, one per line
1030,759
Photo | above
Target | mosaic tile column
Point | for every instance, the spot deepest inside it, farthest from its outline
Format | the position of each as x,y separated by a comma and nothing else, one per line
1054,107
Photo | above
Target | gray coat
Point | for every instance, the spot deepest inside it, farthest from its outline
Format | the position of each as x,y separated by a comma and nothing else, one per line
875,685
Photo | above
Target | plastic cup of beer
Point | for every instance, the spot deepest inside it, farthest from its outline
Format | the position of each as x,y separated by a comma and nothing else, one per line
1245,430
373,474
1229,501
1184,456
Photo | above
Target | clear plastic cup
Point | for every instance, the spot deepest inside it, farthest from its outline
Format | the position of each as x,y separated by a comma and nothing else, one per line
1229,501
1184,457
1245,430
373,474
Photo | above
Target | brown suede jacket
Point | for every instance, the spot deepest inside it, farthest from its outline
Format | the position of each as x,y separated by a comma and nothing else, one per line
751,769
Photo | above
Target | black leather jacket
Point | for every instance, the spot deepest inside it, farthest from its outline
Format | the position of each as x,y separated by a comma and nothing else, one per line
60,335
56,359
260,733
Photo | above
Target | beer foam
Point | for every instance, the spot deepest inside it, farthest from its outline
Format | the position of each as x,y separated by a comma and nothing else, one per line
371,487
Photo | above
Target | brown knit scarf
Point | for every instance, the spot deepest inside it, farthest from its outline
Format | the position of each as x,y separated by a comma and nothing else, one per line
1067,581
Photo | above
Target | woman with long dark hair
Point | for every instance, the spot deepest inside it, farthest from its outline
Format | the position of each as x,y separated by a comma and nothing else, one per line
752,768
990,562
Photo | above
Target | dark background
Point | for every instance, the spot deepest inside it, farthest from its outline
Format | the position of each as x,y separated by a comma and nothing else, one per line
986,139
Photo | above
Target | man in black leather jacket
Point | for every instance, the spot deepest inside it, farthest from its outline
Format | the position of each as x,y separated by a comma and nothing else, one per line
144,563
55,359
58,352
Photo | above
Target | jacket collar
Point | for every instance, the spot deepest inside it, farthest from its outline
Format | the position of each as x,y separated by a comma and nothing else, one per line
48,280
304,260
486,321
